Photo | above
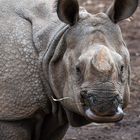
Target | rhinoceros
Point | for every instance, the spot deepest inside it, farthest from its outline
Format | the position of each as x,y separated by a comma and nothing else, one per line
61,66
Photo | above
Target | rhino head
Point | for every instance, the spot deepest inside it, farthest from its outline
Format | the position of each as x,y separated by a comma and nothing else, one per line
94,68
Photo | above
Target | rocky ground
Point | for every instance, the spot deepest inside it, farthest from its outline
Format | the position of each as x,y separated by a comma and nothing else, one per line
129,127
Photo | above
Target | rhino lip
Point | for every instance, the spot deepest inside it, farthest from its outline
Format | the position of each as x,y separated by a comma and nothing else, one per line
105,119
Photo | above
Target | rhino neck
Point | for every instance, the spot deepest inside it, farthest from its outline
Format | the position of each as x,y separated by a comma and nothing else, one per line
46,60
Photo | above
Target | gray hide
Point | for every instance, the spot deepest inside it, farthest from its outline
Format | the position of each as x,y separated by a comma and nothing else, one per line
33,44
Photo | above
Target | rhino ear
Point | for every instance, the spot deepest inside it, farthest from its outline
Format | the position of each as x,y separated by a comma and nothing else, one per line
122,9
68,11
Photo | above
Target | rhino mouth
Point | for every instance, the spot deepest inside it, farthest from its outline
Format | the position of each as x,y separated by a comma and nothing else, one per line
102,108
118,116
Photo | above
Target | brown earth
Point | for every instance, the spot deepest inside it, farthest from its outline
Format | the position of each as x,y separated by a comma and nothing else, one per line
129,127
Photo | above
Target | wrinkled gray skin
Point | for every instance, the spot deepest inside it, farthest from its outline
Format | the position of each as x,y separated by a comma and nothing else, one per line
51,50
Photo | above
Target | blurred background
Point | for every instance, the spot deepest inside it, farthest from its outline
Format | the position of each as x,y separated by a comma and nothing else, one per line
129,127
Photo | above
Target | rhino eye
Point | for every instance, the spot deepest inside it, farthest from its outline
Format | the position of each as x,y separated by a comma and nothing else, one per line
78,69
122,73
122,69
79,75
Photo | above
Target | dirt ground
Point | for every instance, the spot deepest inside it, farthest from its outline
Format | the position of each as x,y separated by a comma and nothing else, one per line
129,127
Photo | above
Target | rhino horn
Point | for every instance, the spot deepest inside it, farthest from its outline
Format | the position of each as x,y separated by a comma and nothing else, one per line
102,61
122,9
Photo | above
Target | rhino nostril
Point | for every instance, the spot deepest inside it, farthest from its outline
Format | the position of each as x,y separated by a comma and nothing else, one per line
119,99
102,105
101,102
83,93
